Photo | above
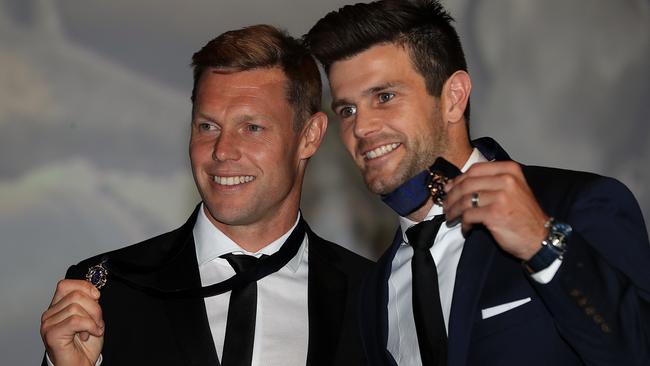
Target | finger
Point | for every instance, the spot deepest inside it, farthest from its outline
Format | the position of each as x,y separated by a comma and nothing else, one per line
457,209
84,336
476,184
90,305
476,215
61,334
73,310
64,287
487,169
494,168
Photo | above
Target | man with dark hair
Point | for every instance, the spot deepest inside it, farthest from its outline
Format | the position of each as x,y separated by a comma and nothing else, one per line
494,263
244,281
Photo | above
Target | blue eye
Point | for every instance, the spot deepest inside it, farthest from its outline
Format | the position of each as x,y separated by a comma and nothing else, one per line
385,97
204,126
254,128
348,111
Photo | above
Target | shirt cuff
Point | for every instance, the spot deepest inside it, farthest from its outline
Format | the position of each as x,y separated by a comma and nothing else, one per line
546,275
49,362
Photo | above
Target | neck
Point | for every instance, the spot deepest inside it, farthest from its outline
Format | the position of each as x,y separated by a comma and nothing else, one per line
459,158
255,236
255,239
419,214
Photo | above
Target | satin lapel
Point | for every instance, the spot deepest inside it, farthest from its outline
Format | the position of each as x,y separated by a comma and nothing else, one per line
490,149
473,268
326,293
187,317
385,265
373,315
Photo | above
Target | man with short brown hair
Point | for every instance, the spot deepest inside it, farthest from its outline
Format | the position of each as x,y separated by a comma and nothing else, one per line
505,264
244,281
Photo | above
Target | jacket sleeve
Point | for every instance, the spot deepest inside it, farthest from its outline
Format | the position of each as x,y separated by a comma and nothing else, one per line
600,297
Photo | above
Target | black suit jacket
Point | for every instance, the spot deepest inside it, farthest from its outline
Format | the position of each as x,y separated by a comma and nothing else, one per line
145,330
595,311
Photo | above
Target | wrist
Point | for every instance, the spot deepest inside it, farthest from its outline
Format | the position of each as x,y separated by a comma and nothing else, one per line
552,247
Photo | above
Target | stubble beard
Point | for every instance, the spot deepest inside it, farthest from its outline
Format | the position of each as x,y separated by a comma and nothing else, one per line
421,153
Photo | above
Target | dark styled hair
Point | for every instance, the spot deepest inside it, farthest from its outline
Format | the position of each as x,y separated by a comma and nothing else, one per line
423,27
264,46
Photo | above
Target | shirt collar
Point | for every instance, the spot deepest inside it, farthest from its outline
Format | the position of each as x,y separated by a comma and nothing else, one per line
212,243
405,223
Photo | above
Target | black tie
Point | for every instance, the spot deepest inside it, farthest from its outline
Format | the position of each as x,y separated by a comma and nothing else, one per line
427,311
242,309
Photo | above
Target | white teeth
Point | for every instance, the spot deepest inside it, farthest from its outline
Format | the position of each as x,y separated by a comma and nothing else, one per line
380,151
231,181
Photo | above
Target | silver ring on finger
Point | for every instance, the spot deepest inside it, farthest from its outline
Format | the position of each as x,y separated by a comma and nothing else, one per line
475,200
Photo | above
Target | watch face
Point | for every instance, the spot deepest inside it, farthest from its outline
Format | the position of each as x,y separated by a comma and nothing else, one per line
562,228
558,234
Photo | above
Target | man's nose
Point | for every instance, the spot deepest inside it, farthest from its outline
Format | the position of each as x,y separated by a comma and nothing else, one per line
226,147
366,123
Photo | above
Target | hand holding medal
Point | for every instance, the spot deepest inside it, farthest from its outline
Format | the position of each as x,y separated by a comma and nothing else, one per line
72,327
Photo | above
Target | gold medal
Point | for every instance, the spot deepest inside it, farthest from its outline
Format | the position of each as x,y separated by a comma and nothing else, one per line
97,275
436,186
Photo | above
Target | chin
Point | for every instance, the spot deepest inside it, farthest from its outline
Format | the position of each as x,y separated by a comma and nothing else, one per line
379,186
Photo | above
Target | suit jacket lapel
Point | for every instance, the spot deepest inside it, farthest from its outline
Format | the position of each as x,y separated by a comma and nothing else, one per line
475,261
374,308
472,270
383,294
490,149
187,317
327,287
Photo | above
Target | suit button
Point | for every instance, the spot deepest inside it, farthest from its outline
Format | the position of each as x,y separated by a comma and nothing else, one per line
598,319
582,301
590,310
575,292
605,328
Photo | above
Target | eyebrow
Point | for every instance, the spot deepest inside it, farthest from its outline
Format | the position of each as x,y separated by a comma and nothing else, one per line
247,117
202,115
370,91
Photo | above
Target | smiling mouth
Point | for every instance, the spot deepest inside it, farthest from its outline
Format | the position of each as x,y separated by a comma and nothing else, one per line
233,180
380,151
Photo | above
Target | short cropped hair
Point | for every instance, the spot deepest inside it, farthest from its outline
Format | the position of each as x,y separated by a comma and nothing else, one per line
264,46
423,27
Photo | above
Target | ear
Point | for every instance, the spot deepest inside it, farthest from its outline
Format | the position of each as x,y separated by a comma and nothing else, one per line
312,135
455,95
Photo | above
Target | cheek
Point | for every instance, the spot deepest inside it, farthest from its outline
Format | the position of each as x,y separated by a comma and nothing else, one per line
200,152
348,140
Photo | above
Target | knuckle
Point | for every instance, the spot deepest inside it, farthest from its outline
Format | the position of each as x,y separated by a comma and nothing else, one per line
98,312
75,320
77,296
45,316
61,285
48,337
43,329
508,180
75,308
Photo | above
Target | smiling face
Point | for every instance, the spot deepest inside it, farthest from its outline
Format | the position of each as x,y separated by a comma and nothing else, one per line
247,160
391,126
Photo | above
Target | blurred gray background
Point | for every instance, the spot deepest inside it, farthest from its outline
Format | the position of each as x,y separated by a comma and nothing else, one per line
94,114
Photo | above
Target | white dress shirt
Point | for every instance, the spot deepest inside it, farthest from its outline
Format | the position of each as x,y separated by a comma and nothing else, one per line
282,323
446,251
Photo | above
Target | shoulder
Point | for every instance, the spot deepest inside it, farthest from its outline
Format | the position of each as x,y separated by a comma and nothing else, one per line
335,254
575,187
144,253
